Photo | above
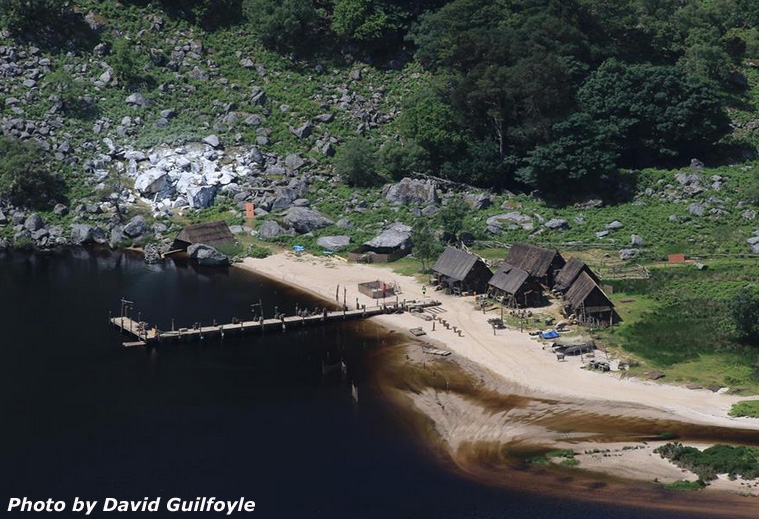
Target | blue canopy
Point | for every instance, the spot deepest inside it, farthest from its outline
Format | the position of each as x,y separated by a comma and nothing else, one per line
550,334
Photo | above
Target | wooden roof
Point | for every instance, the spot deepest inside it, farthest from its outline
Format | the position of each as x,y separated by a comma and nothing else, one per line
581,289
455,264
569,273
210,233
531,259
509,279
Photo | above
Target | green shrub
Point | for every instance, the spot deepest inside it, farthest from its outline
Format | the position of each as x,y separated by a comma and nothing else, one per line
747,408
25,177
356,162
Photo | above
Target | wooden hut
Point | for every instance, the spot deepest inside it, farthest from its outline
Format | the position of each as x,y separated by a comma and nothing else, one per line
570,272
459,272
588,302
210,233
515,287
543,264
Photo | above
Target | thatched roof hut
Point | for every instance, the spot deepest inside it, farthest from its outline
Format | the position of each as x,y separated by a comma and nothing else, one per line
210,233
541,263
586,299
570,272
461,271
515,287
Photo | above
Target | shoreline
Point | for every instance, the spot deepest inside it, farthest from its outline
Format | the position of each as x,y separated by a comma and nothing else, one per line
512,355
487,407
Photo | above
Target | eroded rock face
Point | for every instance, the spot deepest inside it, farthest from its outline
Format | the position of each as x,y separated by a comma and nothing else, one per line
628,254
412,192
200,197
207,256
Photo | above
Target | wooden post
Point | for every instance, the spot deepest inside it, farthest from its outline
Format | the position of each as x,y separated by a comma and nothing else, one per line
172,324
337,293
345,296
357,306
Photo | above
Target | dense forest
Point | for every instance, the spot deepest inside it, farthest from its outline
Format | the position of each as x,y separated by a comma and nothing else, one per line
555,95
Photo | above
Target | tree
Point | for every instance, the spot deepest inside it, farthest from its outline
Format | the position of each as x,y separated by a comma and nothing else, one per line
582,152
25,178
356,163
428,120
452,216
125,61
30,15
361,20
284,24
397,160
744,309
426,247
659,111
70,92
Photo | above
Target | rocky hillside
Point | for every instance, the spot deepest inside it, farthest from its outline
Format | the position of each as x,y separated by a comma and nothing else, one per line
154,122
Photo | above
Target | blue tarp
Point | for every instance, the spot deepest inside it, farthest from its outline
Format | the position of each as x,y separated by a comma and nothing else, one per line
298,248
550,334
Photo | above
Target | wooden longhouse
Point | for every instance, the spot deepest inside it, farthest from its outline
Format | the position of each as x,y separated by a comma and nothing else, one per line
571,271
459,272
588,302
515,287
542,264
210,233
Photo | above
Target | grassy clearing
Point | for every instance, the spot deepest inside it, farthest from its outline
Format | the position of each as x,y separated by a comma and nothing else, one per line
676,322
686,486
749,409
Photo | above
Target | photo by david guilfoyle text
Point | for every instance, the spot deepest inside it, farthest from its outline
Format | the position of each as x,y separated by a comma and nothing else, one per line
175,504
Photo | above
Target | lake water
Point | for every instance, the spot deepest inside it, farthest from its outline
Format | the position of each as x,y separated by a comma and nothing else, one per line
253,417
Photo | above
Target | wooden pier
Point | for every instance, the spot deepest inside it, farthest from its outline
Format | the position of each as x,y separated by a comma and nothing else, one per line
141,334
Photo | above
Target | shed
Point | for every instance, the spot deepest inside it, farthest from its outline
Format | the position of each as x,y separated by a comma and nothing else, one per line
543,264
392,243
570,272
210,233
515,287
458,272
586,300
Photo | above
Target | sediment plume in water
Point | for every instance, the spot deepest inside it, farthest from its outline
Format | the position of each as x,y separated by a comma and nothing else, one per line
404,376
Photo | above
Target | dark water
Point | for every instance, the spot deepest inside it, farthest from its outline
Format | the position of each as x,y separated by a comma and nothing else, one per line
81,416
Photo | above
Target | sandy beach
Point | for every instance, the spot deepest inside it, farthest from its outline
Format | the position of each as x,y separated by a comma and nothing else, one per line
510,354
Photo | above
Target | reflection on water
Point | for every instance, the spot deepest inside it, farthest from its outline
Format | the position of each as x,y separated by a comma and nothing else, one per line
256,416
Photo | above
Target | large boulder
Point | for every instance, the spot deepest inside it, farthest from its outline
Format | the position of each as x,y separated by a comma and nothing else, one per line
151,182
33,223
637,241
207,256
136,99
212,140
412,192
136,227
478,201
270,230
305,220
3,218
283,198
200,197
511,221
83,234
613,226
334,243
696,209
557,223
628,254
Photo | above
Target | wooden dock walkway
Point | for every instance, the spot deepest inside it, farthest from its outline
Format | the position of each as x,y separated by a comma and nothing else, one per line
141,334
